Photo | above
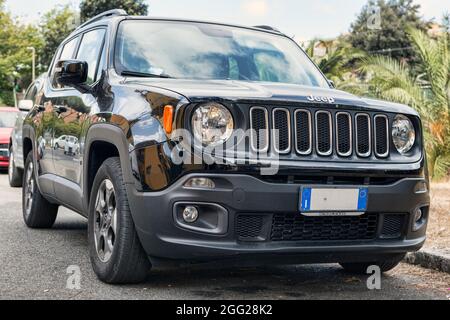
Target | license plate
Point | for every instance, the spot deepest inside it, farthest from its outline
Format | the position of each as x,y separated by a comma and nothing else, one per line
338,201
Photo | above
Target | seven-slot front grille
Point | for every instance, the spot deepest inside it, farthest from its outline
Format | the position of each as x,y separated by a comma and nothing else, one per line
324,133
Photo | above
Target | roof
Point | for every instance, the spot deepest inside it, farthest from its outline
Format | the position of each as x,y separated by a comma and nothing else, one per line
121,14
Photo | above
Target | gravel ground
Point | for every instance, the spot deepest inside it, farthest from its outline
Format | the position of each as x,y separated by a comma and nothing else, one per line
33,265
439,224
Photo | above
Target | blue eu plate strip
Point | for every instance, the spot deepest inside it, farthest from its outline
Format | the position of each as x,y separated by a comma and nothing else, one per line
306,199
362,200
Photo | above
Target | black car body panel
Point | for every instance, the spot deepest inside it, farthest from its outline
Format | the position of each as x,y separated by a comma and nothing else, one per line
123,116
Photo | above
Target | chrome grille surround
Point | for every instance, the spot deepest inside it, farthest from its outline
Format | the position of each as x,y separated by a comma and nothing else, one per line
350,135
329,150
255,134
359,137
309,139
310,132
376,142
281,136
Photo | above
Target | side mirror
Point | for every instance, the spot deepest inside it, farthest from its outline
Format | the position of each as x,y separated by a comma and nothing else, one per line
25,105
72,73
332,84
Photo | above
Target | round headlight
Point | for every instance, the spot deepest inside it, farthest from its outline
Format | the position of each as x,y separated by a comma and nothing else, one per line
403,134
212,124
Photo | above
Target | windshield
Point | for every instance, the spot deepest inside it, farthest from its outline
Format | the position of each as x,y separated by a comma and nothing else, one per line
7,119
187,50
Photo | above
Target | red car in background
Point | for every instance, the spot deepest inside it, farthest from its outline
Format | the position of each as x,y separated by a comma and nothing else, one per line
7,121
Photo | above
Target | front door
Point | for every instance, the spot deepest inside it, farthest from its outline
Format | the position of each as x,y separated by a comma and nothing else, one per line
74,109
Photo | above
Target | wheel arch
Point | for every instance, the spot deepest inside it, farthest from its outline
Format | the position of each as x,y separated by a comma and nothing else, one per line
27,140
102,142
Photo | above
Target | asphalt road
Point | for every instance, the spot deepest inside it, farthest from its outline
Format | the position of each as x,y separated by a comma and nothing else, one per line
33,265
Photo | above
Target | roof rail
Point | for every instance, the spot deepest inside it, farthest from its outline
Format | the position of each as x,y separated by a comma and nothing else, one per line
106,14
267,28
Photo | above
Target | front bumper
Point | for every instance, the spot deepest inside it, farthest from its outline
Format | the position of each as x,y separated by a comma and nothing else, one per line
156,216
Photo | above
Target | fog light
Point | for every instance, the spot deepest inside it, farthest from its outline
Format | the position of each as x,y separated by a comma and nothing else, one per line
418,219
200,183
190,214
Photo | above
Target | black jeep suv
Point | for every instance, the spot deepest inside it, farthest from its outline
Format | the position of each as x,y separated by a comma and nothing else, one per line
199,142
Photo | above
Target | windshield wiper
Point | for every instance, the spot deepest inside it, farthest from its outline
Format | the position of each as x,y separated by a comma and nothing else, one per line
144,74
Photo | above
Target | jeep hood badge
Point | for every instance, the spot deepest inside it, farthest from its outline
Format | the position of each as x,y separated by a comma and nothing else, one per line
321,99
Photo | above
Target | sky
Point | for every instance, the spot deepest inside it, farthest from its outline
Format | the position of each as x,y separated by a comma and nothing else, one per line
304,19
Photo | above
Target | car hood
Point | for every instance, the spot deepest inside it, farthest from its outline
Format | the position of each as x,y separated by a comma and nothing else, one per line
5,134
201,90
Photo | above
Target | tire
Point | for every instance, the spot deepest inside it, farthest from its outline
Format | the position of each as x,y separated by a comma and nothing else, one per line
15,175
385,265
38,212
115,251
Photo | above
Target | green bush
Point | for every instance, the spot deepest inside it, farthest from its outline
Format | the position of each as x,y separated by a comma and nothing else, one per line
7,98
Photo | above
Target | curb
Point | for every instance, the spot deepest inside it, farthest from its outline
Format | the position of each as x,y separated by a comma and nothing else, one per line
430,259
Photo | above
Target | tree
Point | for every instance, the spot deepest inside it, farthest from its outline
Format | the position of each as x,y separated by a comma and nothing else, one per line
15,56
56,25
428,92
386,33
91,8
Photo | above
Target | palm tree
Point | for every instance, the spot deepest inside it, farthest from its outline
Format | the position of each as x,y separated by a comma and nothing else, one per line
426,89
337,63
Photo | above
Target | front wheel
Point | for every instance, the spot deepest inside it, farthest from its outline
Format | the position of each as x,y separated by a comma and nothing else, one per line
15,175
384,265
116,253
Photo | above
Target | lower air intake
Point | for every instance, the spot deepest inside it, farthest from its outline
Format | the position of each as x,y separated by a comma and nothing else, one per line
295,227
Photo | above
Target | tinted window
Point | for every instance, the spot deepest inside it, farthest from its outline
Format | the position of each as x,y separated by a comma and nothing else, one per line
90,48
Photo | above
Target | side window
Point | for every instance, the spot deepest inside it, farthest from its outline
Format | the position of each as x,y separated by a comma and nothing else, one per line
68,50
90,48
67,53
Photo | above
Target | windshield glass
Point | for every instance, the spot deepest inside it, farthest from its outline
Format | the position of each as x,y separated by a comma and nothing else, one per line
187,50
7,119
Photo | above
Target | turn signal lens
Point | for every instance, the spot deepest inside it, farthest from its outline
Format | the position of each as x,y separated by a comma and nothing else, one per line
168,119
200,183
